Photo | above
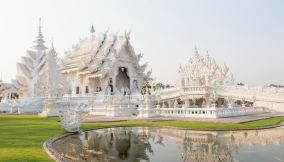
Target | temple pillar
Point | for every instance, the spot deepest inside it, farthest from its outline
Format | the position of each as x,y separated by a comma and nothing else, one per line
114,83
186,103
182,83
186,82
163,105
83,85
175,104
194,102
170,103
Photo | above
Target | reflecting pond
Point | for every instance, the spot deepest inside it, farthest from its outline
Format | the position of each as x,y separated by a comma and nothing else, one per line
152,144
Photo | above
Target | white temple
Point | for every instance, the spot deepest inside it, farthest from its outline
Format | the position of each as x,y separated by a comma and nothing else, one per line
103,73
103,63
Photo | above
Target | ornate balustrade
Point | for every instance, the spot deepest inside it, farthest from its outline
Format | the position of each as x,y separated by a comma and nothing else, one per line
144,106
267,93
140,105
269,97
197,89
108,105
209,112
173,93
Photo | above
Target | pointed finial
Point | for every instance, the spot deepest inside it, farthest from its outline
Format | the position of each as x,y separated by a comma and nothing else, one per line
39,25
92,29
52,47
39,42
127,34
52,51
195,50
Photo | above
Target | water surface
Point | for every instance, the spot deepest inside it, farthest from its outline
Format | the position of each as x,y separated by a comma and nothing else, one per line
152,144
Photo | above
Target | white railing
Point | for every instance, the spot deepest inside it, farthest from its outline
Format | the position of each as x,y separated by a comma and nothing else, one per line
209,112
259,93
22,106
110,105
128,105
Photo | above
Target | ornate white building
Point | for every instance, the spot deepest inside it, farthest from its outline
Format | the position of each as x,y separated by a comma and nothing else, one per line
103,63
204,71
206,85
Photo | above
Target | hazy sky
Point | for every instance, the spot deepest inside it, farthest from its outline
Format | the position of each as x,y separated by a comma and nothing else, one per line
246,34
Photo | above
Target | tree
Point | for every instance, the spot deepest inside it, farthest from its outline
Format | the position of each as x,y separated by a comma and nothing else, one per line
240,84
276,86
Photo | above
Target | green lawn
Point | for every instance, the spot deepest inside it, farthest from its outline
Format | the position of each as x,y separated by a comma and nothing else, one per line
22,136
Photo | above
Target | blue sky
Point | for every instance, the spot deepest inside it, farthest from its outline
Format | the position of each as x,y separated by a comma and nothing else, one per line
246,34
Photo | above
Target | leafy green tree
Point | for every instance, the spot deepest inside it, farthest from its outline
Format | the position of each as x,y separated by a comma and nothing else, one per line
240,84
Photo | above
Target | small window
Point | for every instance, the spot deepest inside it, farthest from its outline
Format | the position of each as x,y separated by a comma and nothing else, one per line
77,90
86,89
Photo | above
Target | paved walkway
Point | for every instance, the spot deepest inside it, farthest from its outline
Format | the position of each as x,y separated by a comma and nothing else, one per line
238,119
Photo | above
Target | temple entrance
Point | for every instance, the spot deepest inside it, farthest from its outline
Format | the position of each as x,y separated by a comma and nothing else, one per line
123,81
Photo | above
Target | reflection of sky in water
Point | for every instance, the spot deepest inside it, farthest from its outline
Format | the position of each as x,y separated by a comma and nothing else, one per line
140,144
256,153
164,152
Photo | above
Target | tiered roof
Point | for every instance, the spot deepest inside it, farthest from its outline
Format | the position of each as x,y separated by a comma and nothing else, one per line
95,55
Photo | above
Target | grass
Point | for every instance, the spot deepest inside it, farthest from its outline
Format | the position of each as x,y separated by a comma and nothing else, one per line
22,136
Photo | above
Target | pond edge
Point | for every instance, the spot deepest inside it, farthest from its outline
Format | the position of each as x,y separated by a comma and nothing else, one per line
47,145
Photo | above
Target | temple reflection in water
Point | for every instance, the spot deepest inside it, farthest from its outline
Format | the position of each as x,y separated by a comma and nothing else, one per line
138,144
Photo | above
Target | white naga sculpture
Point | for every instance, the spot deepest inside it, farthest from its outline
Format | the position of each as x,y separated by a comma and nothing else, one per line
71,117
204,71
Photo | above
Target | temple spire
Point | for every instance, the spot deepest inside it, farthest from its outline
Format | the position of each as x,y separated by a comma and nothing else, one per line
52,50
195,50
52,46
207,53
39,42
39,27
92,29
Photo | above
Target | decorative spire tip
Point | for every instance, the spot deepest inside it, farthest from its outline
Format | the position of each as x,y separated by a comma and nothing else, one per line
195,50
92,29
